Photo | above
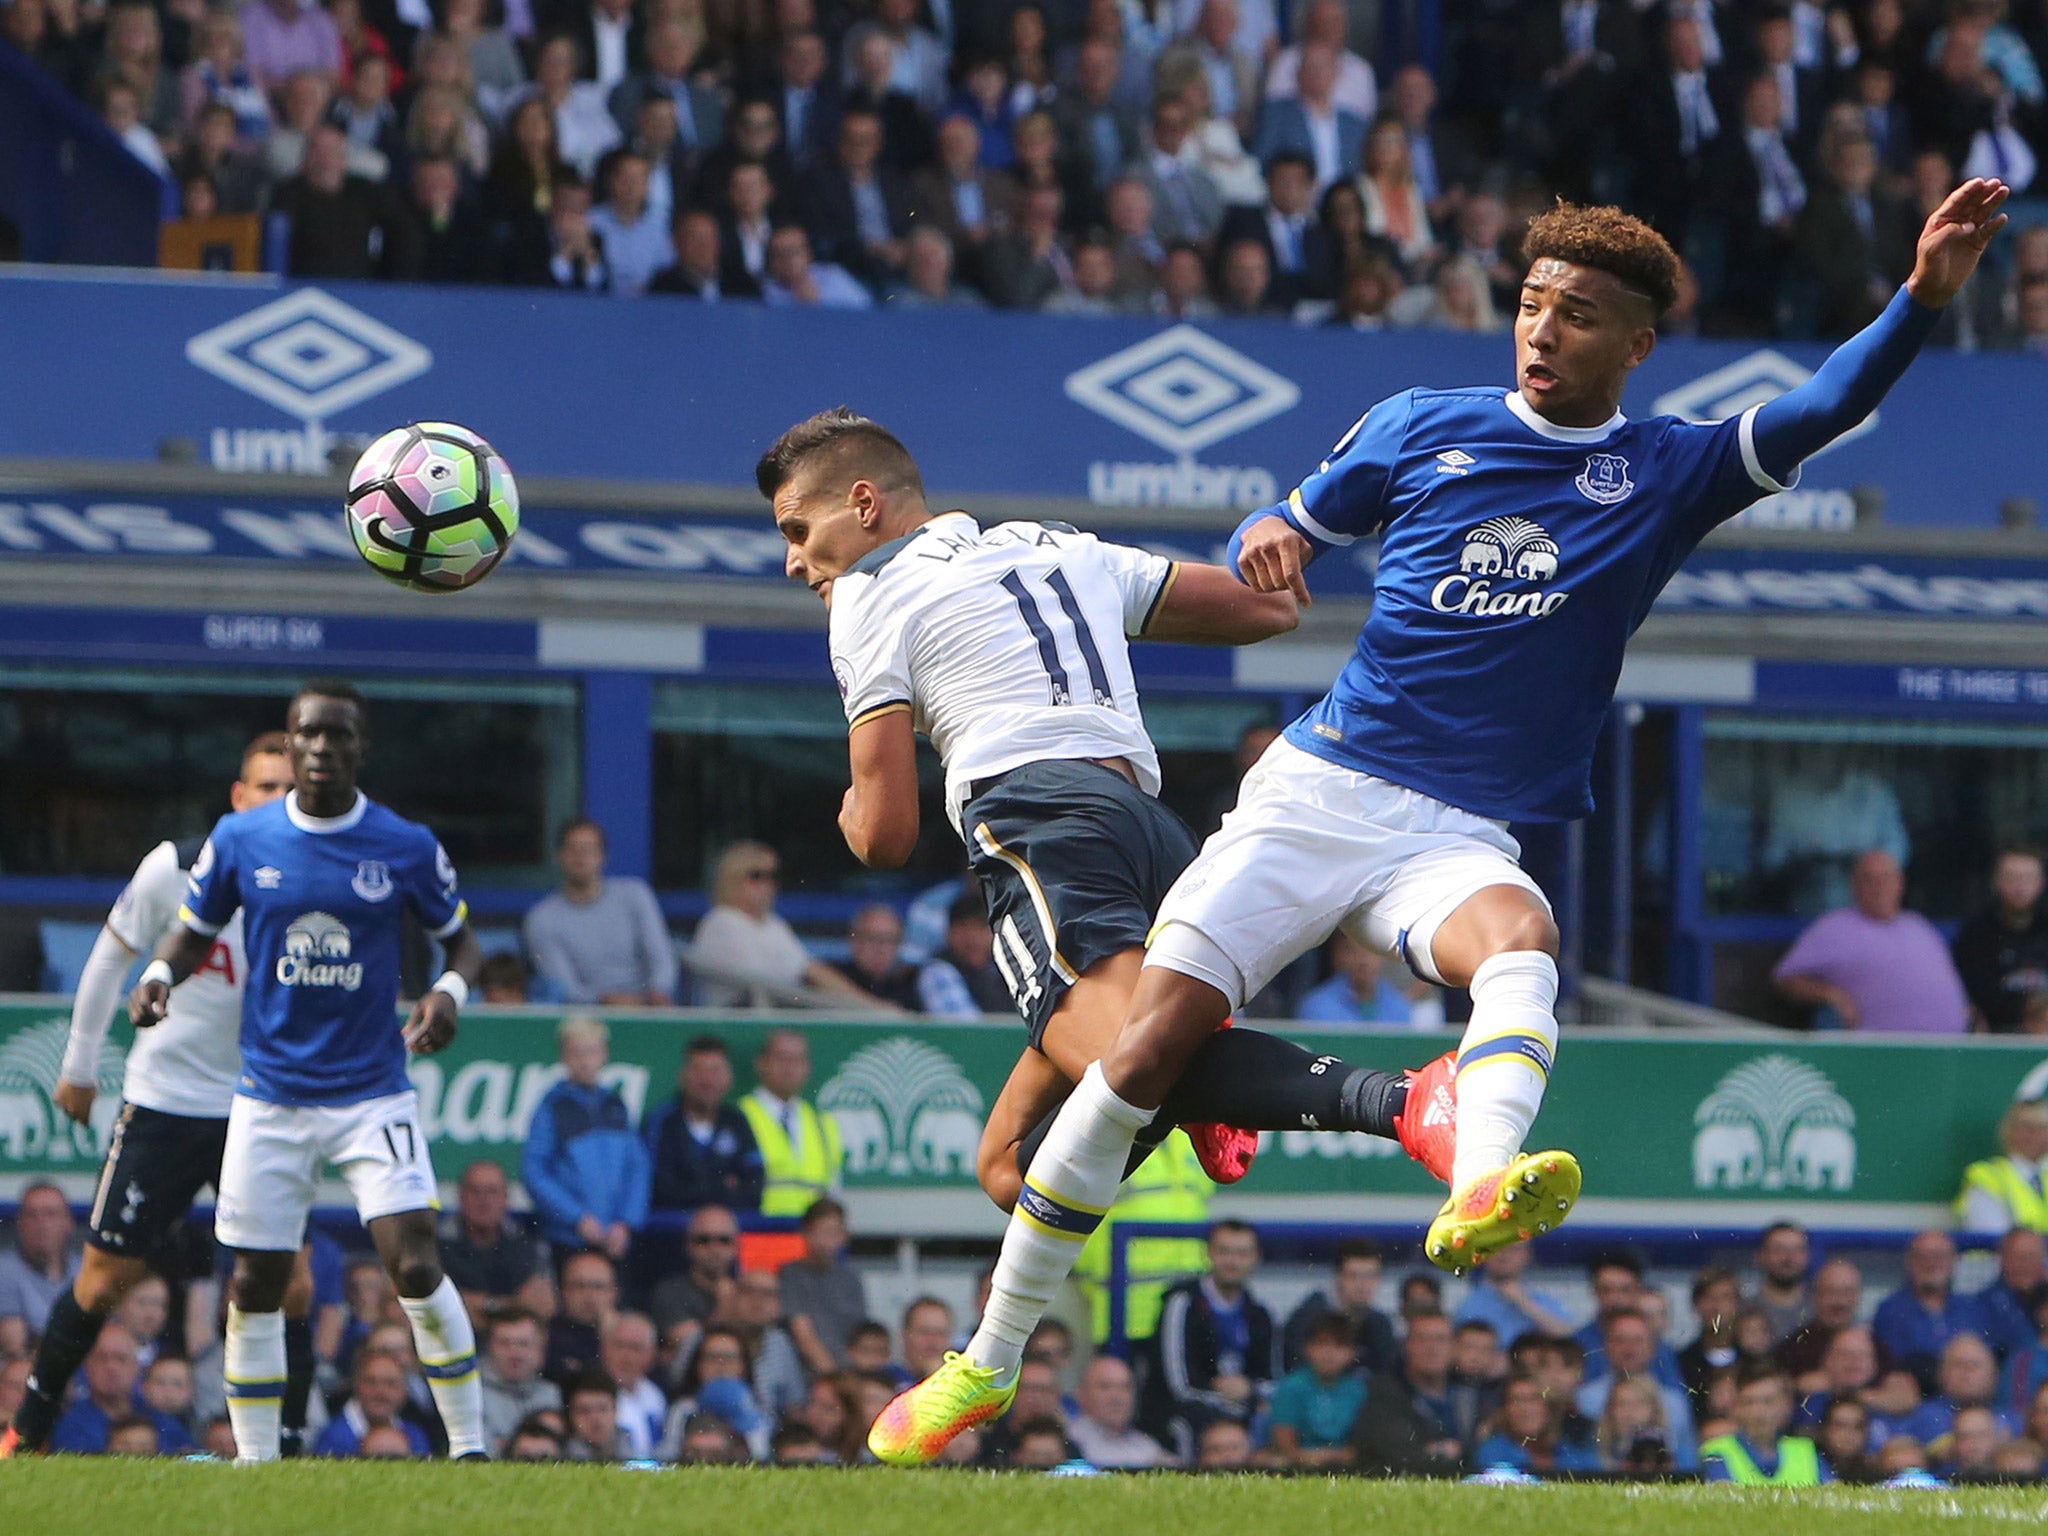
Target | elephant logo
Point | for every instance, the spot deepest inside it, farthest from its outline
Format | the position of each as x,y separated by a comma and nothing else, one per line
32,1129
1605,479
905,1109
1775,1124
316,954
1512,546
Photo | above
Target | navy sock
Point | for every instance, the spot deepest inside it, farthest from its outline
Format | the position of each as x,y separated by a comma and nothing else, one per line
68,1339
1259,1082
299,1366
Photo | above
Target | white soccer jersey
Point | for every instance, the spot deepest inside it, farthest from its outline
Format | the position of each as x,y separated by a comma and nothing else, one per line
1007,644
188,1064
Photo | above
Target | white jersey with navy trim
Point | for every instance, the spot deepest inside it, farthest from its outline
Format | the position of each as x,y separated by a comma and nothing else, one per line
1007,645
186,1065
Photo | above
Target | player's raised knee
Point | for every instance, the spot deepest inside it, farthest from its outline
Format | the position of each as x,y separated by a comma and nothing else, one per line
416,1274
1529,929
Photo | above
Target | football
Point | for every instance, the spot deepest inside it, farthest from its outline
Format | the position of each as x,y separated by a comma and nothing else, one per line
432,507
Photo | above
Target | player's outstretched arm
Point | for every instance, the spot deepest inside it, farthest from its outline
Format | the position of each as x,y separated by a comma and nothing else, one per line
177,957
1863,369
1271,554
1206,605
879,815
432,1023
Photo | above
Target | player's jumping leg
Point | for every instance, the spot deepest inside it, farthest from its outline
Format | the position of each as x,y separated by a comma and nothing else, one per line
1501,944
441,1331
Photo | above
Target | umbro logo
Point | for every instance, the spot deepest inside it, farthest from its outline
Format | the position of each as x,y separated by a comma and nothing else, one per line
268,877
1454,461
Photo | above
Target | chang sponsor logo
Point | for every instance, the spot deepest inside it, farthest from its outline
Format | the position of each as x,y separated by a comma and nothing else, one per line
905,1108
1182,390
316,954
1499,556
33,1130
1774,1124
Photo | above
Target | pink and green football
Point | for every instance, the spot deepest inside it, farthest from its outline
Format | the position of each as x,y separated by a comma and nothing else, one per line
432,507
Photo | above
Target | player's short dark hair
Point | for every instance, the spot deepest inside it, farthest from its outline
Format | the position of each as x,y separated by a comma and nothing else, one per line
326,688
1352,1247
1610,241
841,443
269,744
581,824
708,1045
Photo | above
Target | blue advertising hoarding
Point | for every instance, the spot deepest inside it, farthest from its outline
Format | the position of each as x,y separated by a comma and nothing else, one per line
1121,412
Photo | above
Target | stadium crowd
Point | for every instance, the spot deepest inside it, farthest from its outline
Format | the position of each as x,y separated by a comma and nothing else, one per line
612,1339
1177,158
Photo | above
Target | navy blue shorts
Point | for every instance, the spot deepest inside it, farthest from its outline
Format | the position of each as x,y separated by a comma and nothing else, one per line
155,1166
1074,860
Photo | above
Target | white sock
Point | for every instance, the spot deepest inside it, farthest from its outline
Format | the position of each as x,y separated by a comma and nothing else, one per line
446,1345
1504,1059
1073,1181
253,1362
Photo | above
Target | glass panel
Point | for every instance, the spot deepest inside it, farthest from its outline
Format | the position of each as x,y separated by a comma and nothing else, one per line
95,766
1790,802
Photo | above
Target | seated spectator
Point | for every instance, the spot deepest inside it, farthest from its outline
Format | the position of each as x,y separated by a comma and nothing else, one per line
145,1312
752,1308
120,110
601,939
1396,207
167,1391
2001,950
1186,203
510,1370
671,167
822,1293
797,1445
1315,1407
2003,1192
591,1407
1218,1346
1041,1445
716,1384
687,1299
1843,1440
925,1336
1358,990
494,66
1314,125
959,196
1966,1378
42,1263
1183,291
1715,1301
340,223
2004,1309
1103,1430
928,283
366,114
755,139
503,979
1973,1446
235,171
1026,267
1617,1279
1878,967
699,273
793,278
534,1440
1357,1282
378,1401
1631,1351
1914,1323
112,1371
1634,1424
443,119
856,208
218,73
1223,1446
636,238
1837,1302
1854,238
961,981
440,237
626,1347
672,48
283,36
493,1260
582,128
584,1166
744,954
1527,1434
710,1441
1782,1256
1760,1451
1038,1398
1849,1368
132,54
1500,1298
703,1152
1460,299
876,964
590,1294
1095,290
571,258
134,1436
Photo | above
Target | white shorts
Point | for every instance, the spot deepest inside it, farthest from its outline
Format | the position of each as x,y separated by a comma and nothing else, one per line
270,1172
1312,847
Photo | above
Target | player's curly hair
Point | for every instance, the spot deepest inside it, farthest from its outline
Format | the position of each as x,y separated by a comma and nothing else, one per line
1610,241
840,440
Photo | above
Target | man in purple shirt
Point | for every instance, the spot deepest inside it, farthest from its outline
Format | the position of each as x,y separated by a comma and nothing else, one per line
282,37
1879,967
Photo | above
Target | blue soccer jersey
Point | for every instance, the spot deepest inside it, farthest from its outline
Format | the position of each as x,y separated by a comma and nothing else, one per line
321,900
1516,558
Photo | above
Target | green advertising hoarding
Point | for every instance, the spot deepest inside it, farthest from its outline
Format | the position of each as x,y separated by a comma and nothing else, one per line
1673,1117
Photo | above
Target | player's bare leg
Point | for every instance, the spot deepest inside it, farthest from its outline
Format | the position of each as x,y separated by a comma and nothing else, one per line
1501,944
441,1331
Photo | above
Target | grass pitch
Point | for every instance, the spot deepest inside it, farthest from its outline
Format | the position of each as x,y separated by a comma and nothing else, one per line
167,1498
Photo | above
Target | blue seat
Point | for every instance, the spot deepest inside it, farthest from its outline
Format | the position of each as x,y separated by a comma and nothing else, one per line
65,948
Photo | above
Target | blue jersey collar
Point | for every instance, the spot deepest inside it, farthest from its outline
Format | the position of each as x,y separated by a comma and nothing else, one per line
1526,414
326,824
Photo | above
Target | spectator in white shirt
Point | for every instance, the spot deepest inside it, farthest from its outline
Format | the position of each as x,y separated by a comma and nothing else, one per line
1325,26
627,1350
1102,1431
637,243
794,279
743,952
